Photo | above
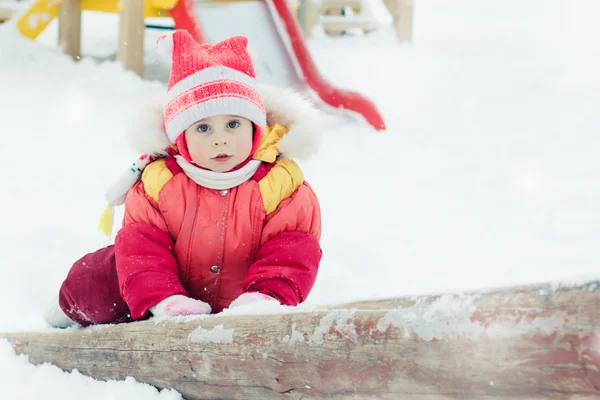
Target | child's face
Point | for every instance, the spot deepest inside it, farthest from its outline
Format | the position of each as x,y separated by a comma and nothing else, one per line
221,142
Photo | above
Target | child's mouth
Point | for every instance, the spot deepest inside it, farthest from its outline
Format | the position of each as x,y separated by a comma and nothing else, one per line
222,157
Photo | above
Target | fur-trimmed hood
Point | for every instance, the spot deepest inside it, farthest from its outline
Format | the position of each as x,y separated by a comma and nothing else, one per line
284,107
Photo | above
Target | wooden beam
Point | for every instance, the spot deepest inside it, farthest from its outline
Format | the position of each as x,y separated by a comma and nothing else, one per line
336,28
131,36
340,4
69,27
534,342
336,24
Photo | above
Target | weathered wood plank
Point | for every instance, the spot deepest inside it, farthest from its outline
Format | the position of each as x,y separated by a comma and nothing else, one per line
524,343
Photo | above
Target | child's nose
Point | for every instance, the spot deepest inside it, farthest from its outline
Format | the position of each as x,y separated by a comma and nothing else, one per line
220,140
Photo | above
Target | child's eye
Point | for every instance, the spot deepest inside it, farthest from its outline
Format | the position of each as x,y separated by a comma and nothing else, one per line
203,128
233,124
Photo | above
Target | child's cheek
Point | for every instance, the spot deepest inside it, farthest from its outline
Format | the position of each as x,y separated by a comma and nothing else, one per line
203,154
198,152
243,146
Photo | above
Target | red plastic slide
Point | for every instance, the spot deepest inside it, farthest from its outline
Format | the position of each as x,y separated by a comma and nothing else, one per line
185,18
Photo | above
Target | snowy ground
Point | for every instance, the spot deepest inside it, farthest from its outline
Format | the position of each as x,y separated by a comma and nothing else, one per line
487,176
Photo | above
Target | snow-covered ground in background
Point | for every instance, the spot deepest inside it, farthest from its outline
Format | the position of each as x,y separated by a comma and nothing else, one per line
487,176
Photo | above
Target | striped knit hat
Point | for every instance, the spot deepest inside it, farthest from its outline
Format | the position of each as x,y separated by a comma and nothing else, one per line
208,80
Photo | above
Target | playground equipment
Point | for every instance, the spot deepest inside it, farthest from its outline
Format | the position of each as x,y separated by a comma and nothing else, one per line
131,30
402,14
5,14
338,16
270,25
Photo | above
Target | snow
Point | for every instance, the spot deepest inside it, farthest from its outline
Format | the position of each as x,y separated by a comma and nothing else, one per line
487,175
295,337
450,316
338,320
218,334
20,380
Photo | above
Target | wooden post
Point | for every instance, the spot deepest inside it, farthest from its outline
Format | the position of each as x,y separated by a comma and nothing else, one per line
69,27
404,20
402,12
5,14
131,36
308,15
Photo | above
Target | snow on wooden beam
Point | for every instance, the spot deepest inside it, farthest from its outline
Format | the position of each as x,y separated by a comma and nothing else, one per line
525,342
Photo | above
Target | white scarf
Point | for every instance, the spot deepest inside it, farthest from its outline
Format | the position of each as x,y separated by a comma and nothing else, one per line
218,180
213,180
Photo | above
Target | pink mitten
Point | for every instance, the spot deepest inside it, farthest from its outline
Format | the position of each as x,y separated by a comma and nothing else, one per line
178,305
250,298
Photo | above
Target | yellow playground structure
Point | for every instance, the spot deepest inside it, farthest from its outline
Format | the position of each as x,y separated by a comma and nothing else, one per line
132,12
37,18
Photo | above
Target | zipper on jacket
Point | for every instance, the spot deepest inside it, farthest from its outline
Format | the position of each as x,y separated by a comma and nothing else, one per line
221,245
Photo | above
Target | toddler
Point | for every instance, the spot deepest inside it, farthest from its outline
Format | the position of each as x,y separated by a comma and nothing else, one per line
217,214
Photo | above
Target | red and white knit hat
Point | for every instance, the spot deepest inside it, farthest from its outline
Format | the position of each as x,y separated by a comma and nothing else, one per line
208,80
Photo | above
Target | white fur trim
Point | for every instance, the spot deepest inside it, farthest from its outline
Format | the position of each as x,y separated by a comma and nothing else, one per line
164,45
146,132
284,106
219,106
209,75
304,121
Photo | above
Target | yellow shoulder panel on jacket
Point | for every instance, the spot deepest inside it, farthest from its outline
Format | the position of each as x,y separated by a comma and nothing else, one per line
268,148
280,183
155,177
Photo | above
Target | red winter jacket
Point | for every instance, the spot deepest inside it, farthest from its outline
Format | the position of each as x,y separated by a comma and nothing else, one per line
181,238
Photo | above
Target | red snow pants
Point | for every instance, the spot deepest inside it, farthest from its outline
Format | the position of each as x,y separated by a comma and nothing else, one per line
90,293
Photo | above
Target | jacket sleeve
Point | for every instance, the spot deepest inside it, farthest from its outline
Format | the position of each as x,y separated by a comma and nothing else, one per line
146,268
288,258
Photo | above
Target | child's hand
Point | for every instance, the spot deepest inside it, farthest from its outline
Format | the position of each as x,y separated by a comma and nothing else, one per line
178,305
250,298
